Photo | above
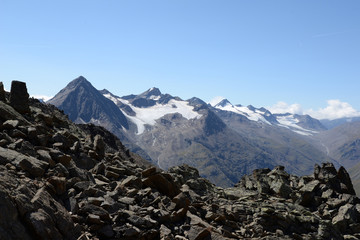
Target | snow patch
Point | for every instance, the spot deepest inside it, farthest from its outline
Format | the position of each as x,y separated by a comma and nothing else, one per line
213,102
149,115
110,97
290,122
251,115
153,97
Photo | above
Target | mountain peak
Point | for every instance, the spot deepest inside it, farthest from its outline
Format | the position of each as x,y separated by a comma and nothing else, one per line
79,81
151,92
223,103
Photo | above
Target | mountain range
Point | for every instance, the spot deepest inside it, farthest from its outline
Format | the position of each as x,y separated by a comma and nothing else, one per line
224,141
66,181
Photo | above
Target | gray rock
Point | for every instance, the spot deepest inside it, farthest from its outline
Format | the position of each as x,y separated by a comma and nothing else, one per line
10,124
347,214
165,233
131,181
43,225
344,178
11,226
163,183
8,113
132,232
99,145
33,166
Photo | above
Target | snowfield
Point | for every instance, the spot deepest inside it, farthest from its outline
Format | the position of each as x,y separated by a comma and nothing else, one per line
149,115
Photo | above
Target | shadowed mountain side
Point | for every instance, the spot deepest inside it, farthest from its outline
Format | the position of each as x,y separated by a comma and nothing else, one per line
85,104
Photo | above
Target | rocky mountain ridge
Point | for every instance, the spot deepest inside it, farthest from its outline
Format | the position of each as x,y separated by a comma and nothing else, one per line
59,180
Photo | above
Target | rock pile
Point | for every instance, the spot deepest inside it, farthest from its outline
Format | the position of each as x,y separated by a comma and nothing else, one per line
59,180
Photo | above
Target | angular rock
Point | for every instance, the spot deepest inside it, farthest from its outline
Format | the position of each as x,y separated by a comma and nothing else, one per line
99,145
10,124
9,113
165,233
59,184
347,214
163,183
131,181
344,178
33,166
43,226
11,226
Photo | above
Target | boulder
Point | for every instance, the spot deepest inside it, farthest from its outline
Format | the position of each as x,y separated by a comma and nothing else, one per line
43,225
7,112
163,183
11,226
344,178
33,166
99,145
347,215
10,124
19,97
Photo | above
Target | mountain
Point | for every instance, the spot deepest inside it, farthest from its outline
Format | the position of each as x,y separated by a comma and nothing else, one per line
301,124
337,122
224,142
342,143
354,173
85,104
61,180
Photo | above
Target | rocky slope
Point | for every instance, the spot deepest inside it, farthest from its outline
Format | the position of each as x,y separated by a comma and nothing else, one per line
59,180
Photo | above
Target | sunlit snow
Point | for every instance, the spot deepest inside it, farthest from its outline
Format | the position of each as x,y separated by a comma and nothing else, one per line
289,121
251,115
149,115
153,97
110,97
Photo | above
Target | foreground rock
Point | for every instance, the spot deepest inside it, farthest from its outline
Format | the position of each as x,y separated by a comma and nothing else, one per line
59,180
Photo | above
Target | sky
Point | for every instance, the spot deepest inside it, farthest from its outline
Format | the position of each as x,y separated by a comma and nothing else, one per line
298,56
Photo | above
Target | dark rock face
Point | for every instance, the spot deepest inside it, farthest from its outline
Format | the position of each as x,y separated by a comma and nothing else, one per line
2,92
59,180
84,103
19,97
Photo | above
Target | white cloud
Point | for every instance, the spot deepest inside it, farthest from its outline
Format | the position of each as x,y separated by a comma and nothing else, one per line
334,110
283,107
216,100
42,97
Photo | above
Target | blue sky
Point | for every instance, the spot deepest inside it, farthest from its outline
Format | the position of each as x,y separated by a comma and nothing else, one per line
299,53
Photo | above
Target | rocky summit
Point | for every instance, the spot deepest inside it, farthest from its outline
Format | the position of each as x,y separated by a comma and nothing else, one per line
60,180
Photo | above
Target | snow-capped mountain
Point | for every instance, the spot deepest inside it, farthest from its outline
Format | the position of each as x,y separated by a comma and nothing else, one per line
224,141
145,109
301,124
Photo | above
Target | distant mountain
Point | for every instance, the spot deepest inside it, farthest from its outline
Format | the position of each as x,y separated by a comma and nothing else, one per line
301,124
329,124
342,143
354,173
224,141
